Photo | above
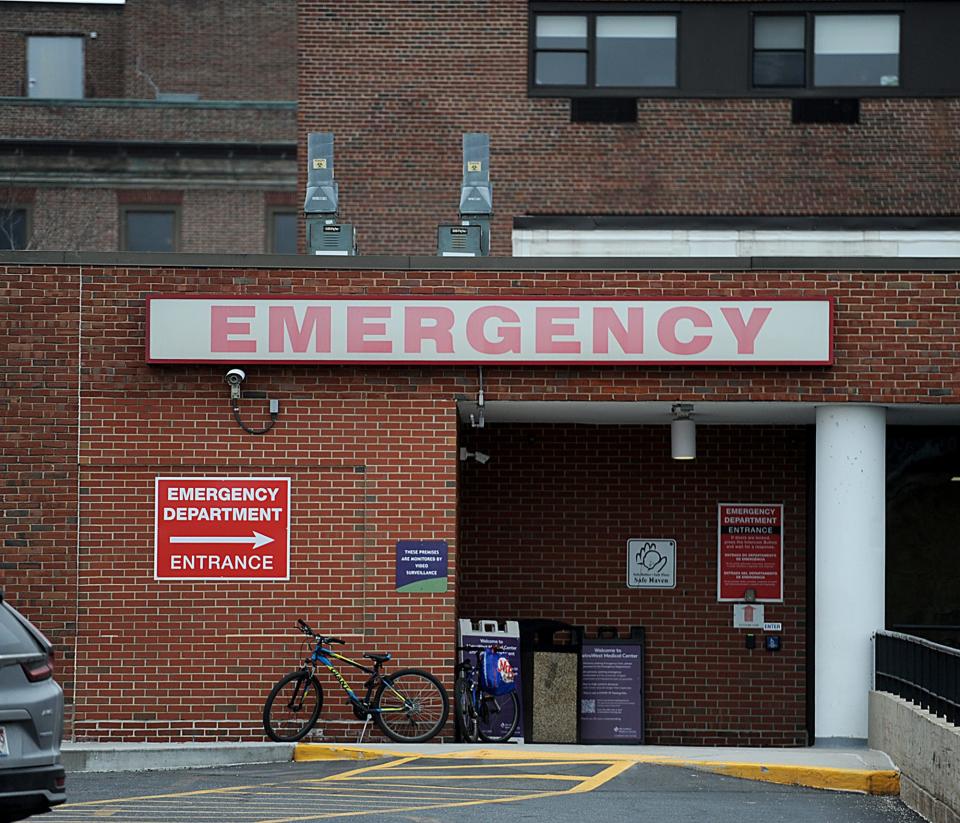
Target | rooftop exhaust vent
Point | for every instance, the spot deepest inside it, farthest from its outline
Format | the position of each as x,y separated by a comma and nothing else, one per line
471,236
322,205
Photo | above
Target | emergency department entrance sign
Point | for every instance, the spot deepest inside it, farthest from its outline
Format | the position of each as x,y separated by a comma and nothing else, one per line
222,528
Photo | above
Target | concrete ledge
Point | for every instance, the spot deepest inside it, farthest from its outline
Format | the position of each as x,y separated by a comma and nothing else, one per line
876,781
925,748
126,757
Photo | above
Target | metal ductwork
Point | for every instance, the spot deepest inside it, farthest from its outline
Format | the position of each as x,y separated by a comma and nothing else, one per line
325,235
471,236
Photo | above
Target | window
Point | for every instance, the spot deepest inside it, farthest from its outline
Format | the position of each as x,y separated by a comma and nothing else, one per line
150,229
604,51
55,67
856,50
848,50
13,229
779,51
281,232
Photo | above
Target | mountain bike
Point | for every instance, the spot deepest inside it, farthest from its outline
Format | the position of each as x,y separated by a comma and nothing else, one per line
409,706
479,714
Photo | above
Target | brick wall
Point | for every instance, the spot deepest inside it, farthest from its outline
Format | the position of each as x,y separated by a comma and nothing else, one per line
220,49
407,91
39,326
148,121
103,55
371,452
567,498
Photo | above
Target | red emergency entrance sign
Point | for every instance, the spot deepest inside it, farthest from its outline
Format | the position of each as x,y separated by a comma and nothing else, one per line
222,528
750,551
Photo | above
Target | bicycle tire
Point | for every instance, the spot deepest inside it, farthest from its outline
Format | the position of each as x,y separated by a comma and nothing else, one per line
411,706
303,702
498,717
466,721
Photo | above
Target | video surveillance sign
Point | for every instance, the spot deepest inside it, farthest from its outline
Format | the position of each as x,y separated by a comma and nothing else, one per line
651,563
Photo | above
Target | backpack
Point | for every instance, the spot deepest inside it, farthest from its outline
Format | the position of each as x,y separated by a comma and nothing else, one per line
496,673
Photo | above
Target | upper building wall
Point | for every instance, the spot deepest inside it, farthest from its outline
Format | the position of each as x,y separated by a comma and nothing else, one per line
400,89
99,26
218,49
215,49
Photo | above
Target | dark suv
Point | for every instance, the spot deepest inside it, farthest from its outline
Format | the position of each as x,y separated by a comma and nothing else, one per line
31,720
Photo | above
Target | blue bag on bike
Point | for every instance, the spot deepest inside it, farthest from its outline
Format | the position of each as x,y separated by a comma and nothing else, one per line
496,673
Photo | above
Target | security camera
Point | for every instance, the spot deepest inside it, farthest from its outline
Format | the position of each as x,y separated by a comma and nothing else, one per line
235,377
480,457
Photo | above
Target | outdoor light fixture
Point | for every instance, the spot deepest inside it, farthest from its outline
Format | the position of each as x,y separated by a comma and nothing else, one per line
480,457
683,433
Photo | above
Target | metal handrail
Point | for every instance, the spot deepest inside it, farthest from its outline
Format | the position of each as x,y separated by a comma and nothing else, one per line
919,670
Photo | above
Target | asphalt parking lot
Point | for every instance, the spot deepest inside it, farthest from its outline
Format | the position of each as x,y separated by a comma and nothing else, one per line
427,789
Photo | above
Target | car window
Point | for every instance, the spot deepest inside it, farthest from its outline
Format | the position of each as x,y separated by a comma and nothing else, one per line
14,637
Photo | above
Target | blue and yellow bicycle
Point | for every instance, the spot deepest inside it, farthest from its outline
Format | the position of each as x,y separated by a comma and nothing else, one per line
409,706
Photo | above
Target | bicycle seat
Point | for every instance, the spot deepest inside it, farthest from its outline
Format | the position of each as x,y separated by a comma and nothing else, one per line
380,658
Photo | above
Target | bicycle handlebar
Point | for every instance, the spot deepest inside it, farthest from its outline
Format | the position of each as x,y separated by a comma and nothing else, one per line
305,628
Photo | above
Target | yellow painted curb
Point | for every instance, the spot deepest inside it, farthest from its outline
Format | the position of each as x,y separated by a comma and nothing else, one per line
867,781
304,752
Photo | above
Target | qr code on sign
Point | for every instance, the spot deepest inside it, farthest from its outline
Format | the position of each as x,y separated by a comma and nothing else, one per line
588,707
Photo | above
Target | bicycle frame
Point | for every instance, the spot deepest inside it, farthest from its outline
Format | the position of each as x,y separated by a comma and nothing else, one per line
321,655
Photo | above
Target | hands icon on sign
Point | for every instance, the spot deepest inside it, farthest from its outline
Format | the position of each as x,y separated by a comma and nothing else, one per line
650,558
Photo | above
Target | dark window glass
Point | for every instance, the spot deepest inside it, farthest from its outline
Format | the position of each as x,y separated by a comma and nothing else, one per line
779,51
605,50
856,50
636,50
562,32
283,239
778,68
561,69
561,58
13,228
151,231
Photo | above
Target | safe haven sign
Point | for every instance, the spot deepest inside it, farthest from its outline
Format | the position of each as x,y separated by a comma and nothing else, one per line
222,528
204,329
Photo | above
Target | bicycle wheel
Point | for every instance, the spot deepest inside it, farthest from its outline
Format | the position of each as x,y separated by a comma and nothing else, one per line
497,717
466,719
292,707
411,706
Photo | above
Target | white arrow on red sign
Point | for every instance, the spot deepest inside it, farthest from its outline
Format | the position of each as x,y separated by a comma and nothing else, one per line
257,540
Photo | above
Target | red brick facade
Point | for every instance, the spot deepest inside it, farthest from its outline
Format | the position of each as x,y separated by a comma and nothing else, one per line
399,110
224,153
372,456
103,53
220,49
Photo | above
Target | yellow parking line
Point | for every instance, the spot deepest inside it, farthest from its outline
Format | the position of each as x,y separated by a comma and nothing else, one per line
512,764
569,777
166,796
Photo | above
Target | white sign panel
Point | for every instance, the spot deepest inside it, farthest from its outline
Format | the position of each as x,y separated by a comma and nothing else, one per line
747,616
204,329
651,564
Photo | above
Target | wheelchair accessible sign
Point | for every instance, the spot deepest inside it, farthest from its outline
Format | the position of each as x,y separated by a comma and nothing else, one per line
651,563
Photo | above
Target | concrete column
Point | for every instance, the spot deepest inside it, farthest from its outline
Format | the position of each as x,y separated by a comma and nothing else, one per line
850,553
